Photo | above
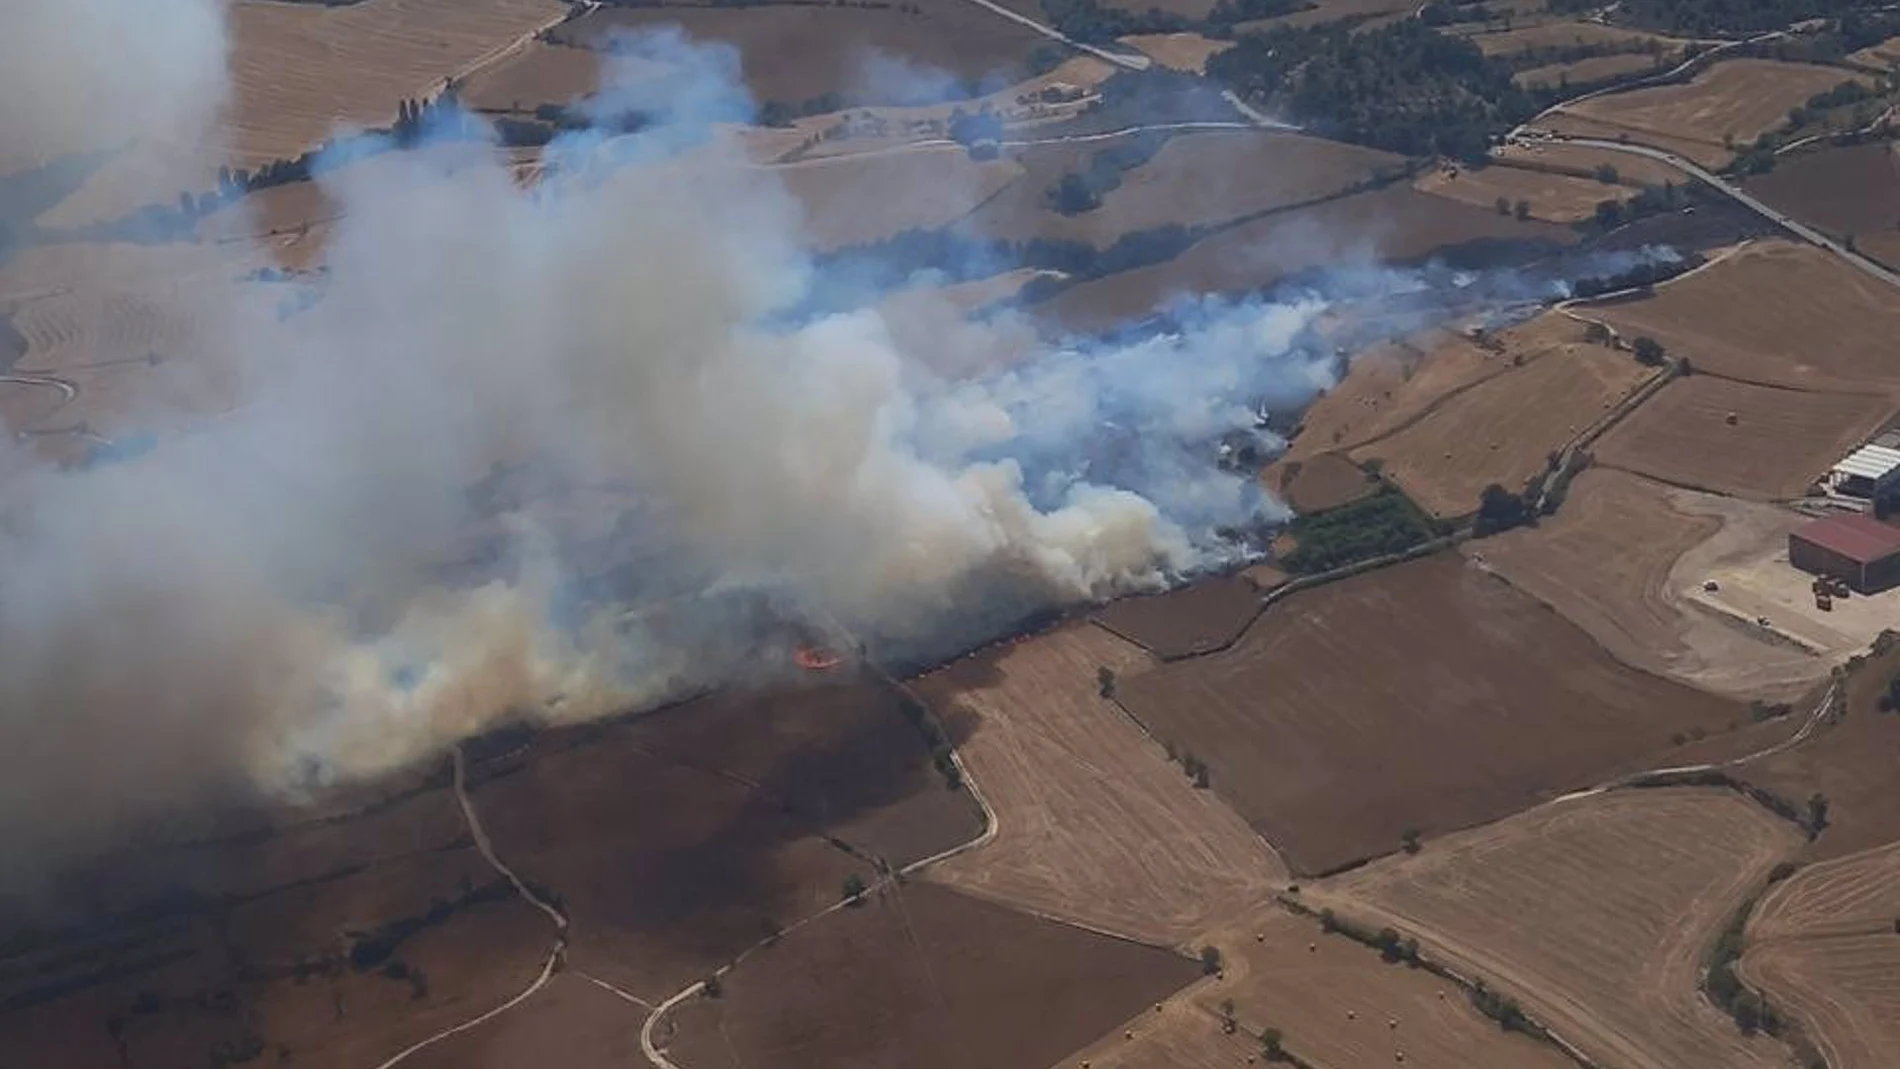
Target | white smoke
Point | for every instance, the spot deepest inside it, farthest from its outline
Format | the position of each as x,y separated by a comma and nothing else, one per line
334,580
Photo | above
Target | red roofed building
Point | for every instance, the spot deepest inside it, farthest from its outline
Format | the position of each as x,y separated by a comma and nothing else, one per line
1855,547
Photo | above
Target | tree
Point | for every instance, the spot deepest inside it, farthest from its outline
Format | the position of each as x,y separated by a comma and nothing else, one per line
1210,959
1504,205
1410,838
1607,174
1609,213
1522,210
711,987
854,889
1817,811
1597,333
1648,351
1105,681
1499,510
1227,1022
1747,1012
1073,195
1271,1045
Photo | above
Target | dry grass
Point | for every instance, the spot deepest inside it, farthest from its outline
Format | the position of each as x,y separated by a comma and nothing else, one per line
1095,824
851,201
1178,51
1781,440
1389,385
1615,561
1554,198
1740,99
539,74
1582,161
1777,312
1881,57
1595,913
1563,35
1823,946
1584,72
1503,429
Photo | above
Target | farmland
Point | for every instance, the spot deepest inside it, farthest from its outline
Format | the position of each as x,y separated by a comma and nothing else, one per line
1850,193
1733,102
1178,51
1503,429
1183,622
1780,441
1094,823
1326,725
853,201
1595,913
1615,560
792,54
1388,385
1323,481
539,74
1195,179
1331,998
1396,224
1565,35
1553,198
1778,313
1824,948
921,975
1583,161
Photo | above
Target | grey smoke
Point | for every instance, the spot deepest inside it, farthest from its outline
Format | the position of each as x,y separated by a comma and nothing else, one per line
545,451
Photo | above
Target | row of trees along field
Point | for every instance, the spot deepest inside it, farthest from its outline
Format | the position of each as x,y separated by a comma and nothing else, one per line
1404,87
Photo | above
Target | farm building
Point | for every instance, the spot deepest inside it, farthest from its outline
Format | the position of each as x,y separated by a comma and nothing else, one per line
1866,473
1857,548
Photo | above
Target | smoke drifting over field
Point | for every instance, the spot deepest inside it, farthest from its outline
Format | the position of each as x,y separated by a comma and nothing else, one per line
287,596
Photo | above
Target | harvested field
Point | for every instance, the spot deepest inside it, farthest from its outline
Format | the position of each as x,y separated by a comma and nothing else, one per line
1094,823
1582,161
1196,179
1331,725
1565,35
921,975
853,201
1396,224
1553,198
1780,442
1881,57
1848,192
1854,763
1192,9
1585,72
1324,481
1503,429
1595,913
1387,386
1739,99
1776,312
1184,622
1325,11
1178,51
1282,972
1619,556
1823,946
682,835
794,53
589,1025
539,74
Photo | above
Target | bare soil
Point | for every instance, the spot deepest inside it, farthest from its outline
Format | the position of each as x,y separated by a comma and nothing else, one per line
1094,823
1780,442
1324,481
1595,913
1425,696
921,975
1846,192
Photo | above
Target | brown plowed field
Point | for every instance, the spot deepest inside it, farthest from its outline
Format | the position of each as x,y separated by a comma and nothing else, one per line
1848,192
1504,429
852,201
1554,198
1283,972
1196,179
675,840
1397,224
1095,824
1187,621
1854,763
1595,913
792,53
1427,695
1323,481
1615,559
583,1025
1775,312
1823,946
1781,441
539,74
1739,99
923,976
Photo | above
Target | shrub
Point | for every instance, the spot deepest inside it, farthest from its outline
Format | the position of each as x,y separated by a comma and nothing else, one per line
1649,351
854,889
1210,959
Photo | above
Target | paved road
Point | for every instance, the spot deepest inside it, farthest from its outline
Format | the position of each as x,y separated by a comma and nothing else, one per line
1742,197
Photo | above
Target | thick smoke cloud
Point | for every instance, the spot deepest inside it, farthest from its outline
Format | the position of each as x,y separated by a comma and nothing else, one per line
552,452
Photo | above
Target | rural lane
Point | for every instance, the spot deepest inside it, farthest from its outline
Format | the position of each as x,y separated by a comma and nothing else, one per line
1740,196
1126,62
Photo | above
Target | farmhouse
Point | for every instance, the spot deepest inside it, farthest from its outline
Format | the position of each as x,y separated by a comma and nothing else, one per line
1866,473
1857,548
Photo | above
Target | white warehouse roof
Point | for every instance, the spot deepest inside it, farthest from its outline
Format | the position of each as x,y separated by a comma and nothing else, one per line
1870,462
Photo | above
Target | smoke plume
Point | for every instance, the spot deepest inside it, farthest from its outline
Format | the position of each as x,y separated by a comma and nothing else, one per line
550,452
